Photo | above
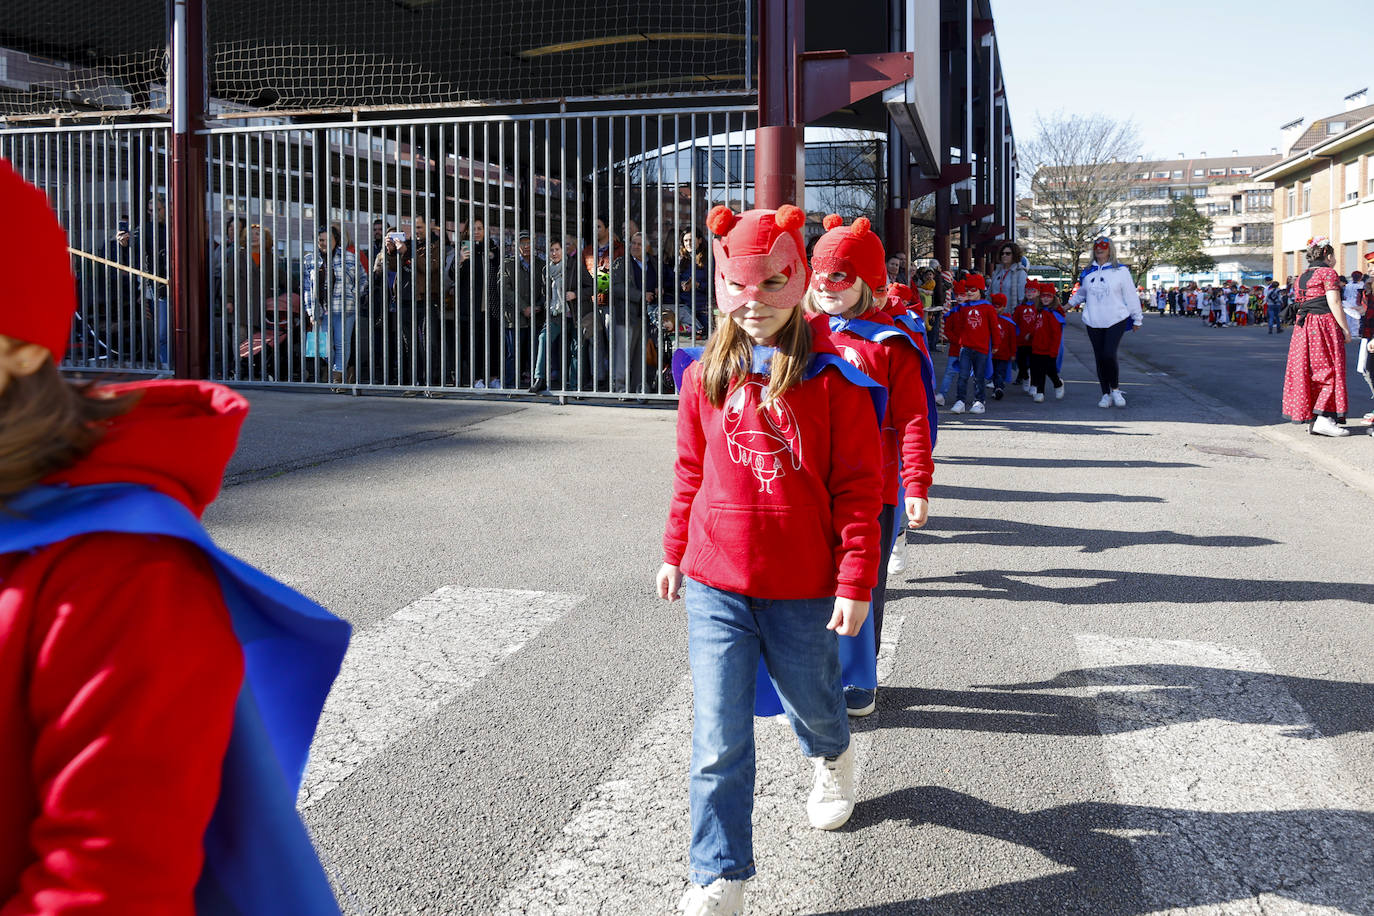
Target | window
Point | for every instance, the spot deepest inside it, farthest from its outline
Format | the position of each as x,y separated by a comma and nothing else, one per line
1290,261
1235,203
1292,201
1241,170
1161,174
1199,192
1348,256
1334,127
1307,197
1235,235
1197,173
1216,171
1352,180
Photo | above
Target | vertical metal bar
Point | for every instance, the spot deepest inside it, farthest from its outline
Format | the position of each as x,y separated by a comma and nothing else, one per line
584,356
476,334
671,304
598,322
644,257
565,342
501,254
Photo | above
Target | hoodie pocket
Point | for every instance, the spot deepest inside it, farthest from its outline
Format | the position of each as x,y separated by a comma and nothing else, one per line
771,548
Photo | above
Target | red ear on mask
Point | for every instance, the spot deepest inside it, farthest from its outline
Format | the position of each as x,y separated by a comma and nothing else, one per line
860,226
789,217
721,219
831,221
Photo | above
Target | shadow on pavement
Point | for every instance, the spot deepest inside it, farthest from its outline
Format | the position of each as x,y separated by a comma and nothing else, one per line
1124,860
1058,428
1121,587
987,494
1176,693
1017,461
1004,533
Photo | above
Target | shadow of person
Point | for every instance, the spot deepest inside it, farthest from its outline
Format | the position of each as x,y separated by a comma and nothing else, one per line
1130,859
1121,587
998,532
1020,461
988,494
1306,708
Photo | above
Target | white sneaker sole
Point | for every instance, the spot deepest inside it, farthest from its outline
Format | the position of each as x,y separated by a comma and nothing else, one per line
834,823
862,711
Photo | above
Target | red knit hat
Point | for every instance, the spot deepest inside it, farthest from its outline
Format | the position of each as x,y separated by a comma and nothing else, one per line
998,300
1048,289
854,250
37,297
975,281
753,247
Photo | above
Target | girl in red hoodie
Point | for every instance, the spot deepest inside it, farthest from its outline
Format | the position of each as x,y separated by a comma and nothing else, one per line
845,265
773,529
1046,340
147,764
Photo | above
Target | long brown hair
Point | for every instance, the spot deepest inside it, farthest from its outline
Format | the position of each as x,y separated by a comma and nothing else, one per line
48,424
730,355
866,302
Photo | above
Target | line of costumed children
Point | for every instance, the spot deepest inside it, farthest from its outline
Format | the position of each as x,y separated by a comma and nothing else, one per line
987,338
157,696
799,425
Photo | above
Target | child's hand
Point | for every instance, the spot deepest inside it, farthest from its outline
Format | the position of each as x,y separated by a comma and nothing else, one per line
669,582
849,616
917,511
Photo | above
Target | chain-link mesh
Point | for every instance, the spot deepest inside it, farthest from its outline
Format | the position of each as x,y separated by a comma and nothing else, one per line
70,56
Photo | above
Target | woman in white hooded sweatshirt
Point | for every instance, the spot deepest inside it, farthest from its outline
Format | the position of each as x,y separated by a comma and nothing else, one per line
1111,307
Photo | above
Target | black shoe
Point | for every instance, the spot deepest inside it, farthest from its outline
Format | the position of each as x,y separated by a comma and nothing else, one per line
539,386
997,394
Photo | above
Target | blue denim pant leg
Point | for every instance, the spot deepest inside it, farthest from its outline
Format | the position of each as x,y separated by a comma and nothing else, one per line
977,364
162,318
966,370
951,373
726,633
340,338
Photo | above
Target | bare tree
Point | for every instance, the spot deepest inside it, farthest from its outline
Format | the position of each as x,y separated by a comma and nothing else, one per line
1079,167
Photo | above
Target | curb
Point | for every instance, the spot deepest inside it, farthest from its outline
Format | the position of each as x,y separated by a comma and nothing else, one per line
1345,471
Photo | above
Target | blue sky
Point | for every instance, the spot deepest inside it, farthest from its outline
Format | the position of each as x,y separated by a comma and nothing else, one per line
1193,75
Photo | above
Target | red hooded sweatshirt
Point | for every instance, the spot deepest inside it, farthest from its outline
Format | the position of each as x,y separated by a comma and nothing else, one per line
1025,323
119,671
1048,332
779,503
906,426
1007,332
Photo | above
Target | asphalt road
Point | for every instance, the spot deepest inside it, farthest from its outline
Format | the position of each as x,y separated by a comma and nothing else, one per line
1129,669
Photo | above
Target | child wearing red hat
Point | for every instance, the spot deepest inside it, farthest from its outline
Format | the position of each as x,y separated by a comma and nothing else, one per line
1046,343
960,296
152,738
977,333
1004,348
1025,327
773,526
846,263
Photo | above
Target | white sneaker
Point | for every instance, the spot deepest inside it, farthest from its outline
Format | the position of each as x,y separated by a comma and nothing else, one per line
1032,391
958,407
832,795
494,383
939,399
721,896
1059,392
1117,398
1026,386
479,384
1325,426
977,407
897,561
1039,398
1106,401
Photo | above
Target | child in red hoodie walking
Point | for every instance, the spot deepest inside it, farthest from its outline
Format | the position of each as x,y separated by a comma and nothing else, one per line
773,528
1046,340
977,331
157,697
1025,327
847,265
1004,349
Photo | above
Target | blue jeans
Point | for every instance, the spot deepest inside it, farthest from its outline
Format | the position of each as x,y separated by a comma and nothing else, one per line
1000,370
549,336
975,364
340,331
726,633
951,373
162,321
1274,320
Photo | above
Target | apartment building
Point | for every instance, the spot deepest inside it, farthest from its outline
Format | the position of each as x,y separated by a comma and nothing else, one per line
1324,185
1224,188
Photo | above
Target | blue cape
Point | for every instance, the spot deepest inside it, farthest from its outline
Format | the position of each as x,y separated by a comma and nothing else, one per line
874,331
858,656
259,860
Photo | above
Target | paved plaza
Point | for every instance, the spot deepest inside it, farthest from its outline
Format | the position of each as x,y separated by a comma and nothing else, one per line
1128,668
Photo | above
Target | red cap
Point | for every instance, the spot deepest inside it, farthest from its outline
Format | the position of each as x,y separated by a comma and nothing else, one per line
999,300
959,287
975,281
854,249
1048,289
900,292
37,297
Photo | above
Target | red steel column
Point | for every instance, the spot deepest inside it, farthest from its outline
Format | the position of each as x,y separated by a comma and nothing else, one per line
779,142
190,319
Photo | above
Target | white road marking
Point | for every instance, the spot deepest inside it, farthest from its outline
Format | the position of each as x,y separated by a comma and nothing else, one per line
400,672
625,848
1233,800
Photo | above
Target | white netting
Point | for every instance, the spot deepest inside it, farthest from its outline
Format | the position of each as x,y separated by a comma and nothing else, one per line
369,53
66,57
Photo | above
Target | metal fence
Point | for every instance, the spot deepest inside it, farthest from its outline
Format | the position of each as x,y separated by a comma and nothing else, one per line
502,253
108,186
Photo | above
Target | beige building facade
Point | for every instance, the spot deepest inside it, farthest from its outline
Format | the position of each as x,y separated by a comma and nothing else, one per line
1325,186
